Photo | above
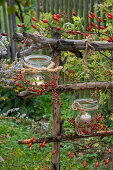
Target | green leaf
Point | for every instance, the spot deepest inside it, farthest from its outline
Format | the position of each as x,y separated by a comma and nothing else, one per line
32,12
5,109
11,9
2,2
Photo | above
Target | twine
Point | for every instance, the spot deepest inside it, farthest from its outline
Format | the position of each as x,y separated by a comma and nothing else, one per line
85,53
81,108
34,70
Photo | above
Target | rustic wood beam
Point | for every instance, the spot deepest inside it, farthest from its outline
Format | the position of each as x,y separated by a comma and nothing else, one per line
84,86
70,87
63,138
19,37
65,44
23,95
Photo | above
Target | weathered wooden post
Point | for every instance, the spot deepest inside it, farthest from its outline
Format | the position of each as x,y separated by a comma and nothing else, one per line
6,29
70,5
56,124
85,14
48,6
12,26
44,6
92,5
38,10
80,8
61,5
0,22
76,6
52,6
57,5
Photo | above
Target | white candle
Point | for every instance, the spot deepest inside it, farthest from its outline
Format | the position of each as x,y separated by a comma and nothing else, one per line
85,118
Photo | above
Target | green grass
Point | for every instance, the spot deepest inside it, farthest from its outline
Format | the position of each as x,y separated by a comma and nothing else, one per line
21,157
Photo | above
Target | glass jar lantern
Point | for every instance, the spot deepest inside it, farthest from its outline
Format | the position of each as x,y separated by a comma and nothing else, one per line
38,62
86,108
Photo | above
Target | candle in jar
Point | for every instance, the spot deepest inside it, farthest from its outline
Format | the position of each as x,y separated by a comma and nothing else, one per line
85,118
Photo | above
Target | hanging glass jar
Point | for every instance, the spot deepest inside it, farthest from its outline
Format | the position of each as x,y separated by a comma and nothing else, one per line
85,109
34,62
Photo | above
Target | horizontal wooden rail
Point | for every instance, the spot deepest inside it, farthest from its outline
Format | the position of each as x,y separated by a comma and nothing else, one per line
66,137
84,86
70,87
38,42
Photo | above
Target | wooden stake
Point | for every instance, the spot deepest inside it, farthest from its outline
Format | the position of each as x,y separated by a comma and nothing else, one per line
56,108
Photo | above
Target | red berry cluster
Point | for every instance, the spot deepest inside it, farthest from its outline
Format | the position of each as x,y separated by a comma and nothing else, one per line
44,167
91,16
31,141
72,156
108,75
110,16
96,94
70,76
3,138
94,125
42,144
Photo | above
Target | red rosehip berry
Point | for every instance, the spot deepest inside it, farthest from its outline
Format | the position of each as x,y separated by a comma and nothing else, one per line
31,140
19,25
110,17
96,164
4,34
43,144
74,33
91,17
74,13
34,26
103,38
58,28
88,29
110,14
72,155
23,41
86,34
96,26
102,27
107,161
58,15
69,153
34,19
53,152
99,19
45,21
30,145
92,14
55,18
109,150
87,147
92,24
84,164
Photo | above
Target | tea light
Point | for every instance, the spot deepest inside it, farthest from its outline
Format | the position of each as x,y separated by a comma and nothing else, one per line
85,118
39,81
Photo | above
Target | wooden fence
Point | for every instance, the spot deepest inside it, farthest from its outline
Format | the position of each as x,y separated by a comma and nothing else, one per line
81,7
9,26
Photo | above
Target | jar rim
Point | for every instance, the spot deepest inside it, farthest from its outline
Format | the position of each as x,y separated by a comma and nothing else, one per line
44,59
